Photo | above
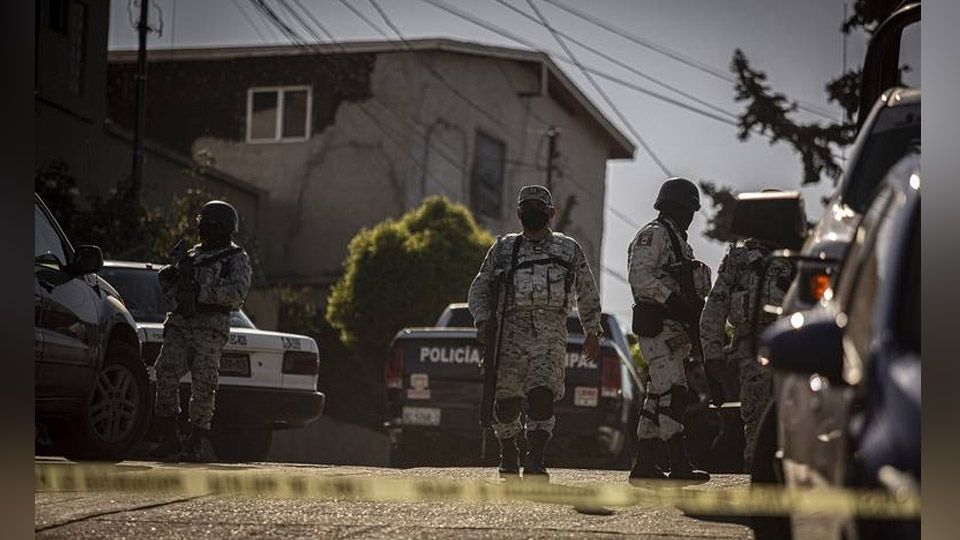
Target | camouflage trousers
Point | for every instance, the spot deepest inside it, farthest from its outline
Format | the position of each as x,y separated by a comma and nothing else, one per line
665,355
533,353
195,351
756,389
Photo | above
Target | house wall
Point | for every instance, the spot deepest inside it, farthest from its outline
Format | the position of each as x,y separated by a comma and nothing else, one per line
386,133
70,82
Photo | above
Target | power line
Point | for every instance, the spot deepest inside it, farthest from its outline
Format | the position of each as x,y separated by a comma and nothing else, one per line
589,193
675,55
399,34
274,19
558,56
236,3
457,165
600,90
620,63
509,35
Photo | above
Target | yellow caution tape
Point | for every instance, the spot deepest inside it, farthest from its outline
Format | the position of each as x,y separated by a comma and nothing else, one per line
755,500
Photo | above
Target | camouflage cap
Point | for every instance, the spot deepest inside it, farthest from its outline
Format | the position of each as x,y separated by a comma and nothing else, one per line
535,193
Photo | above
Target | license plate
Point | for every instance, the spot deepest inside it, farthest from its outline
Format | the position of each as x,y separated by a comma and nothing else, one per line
235,365
421,416
585,396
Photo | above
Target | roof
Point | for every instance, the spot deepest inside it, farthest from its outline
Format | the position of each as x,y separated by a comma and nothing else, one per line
621,147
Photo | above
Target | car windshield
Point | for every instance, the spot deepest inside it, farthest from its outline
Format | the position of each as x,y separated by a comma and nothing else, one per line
895,132
141,292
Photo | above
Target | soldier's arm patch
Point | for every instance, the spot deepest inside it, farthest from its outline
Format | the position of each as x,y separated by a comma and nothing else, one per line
646,239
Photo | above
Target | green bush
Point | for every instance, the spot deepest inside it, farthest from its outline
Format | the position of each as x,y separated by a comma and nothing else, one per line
403,273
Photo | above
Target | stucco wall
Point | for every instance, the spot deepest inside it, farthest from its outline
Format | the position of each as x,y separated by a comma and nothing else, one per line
387,138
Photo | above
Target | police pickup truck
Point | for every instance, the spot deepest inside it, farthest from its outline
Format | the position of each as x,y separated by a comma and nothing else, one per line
434,383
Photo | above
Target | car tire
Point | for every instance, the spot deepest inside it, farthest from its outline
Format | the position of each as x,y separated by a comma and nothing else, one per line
241,444
767,470
117,413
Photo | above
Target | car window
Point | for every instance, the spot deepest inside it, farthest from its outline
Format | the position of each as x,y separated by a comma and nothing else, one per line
45,237
239,319
460,318
895,133
141,292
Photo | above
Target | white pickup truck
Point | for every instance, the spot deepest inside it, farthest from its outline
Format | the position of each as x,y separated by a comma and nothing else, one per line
268,380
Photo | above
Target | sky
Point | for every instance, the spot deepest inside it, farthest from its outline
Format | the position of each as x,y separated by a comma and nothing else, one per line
798,45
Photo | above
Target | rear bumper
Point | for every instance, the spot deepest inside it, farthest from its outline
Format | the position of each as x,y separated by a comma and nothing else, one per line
240,406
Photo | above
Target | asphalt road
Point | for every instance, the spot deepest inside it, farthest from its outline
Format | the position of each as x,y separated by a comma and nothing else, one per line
124,515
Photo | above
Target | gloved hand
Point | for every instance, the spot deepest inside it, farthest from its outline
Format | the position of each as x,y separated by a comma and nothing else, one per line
169,274
484,333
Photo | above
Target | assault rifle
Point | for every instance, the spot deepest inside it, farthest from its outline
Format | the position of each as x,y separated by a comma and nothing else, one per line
491,341
186,287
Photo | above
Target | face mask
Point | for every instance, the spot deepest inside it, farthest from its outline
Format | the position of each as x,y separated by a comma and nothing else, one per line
211,234
533,219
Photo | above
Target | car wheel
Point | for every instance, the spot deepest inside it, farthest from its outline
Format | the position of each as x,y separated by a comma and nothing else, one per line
765,470
241,444
116,415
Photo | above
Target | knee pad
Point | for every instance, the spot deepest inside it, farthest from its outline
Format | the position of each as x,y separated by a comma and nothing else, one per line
540,403
507,410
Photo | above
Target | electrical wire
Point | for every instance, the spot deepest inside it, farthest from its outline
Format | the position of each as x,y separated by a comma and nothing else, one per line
675,55
646,146
236,3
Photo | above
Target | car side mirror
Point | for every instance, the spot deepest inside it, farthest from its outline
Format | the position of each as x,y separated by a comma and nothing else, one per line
806,342
86,260
777,218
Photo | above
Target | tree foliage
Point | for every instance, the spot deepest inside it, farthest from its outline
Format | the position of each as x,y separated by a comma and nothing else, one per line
772,114
125,229
403,272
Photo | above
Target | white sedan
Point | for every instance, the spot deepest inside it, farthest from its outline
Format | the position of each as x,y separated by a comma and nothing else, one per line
268,380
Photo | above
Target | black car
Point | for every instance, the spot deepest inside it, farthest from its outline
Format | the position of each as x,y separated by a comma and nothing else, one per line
93,396
850,414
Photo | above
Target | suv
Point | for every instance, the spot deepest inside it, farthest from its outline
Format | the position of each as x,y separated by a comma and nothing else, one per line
268,380
93,396
850,415
890,131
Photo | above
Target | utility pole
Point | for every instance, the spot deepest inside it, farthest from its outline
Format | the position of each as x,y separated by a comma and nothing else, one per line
552,133
136,174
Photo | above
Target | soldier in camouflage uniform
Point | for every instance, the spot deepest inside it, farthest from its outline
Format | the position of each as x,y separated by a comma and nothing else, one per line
209,282
661,312
732,299
551,276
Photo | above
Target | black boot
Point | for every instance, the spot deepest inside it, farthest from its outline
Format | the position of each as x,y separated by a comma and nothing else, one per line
534,468
169,438
509,458
193,450
645,466
680,466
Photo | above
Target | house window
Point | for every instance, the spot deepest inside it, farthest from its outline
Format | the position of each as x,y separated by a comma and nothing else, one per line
486,189
278,114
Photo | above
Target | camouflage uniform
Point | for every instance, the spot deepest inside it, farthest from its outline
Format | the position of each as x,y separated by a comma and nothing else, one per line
192,343
649,254
732,299
552,276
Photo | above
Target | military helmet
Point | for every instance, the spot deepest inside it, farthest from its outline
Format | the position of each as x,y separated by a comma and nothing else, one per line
222,213
680,191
